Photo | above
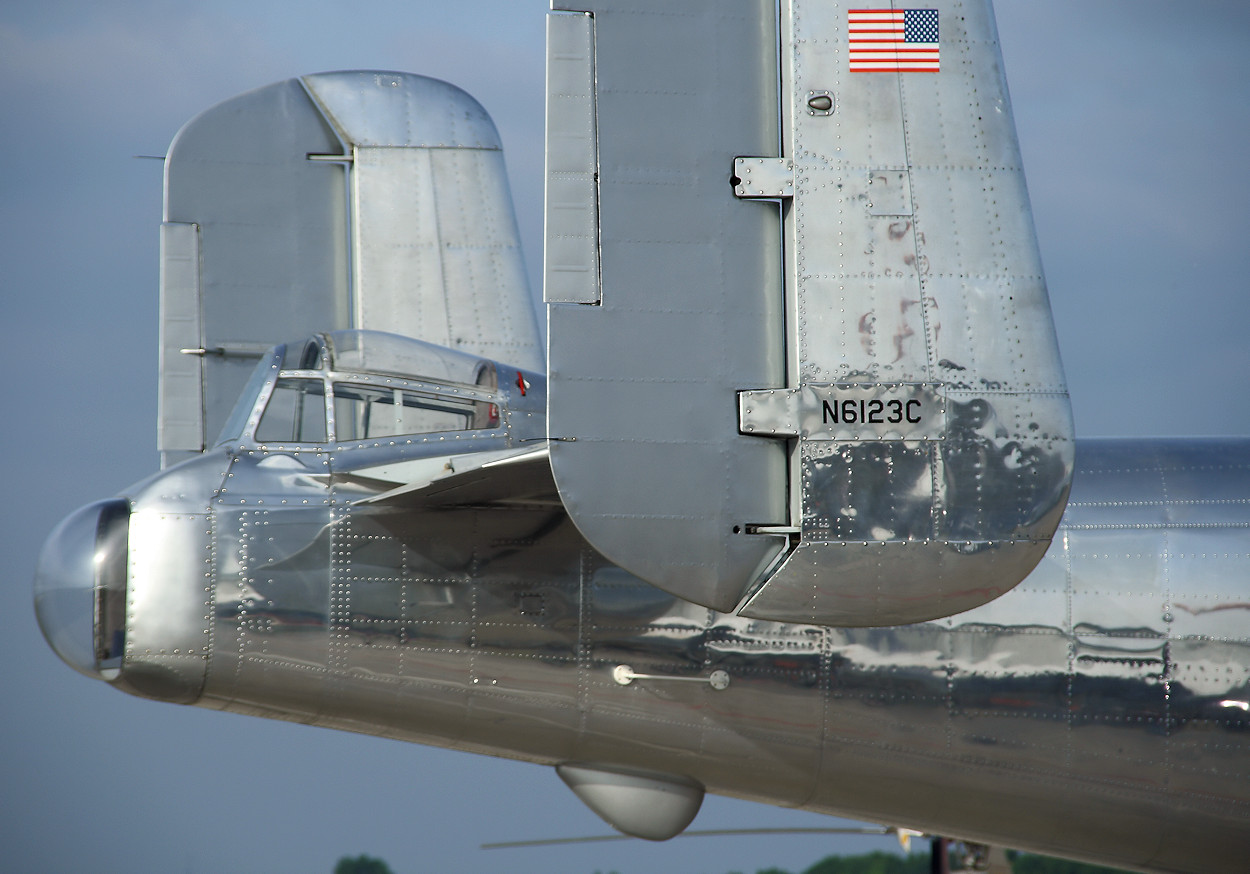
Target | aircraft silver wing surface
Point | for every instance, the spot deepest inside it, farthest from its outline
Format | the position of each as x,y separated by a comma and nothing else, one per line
339,200
799,297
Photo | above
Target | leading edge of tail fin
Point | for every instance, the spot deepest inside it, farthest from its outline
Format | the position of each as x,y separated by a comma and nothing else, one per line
805,365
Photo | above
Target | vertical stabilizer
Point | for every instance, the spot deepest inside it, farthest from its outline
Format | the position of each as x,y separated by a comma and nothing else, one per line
919,401
352,199
666,298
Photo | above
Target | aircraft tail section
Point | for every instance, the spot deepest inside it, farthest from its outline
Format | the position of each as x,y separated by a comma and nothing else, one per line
808,317
353,199
664,292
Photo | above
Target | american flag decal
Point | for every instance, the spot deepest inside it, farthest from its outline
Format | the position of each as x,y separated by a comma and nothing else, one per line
893,40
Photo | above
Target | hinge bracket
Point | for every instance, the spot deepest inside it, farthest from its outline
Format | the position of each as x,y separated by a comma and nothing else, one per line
763,178
770,412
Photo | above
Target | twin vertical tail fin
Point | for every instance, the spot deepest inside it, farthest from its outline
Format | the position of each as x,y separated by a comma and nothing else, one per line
802,360
358,199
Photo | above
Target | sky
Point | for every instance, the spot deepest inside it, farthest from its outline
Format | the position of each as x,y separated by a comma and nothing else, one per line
1133,117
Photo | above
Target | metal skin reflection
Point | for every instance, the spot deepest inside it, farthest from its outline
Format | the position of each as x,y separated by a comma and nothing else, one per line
431,583
1098,710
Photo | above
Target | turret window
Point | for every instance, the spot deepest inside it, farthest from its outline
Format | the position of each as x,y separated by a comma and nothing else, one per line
296,413
367,412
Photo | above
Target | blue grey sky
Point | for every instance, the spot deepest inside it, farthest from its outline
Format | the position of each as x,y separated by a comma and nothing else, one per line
1133,118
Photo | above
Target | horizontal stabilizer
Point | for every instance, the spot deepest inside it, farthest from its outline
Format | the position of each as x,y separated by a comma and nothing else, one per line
509,477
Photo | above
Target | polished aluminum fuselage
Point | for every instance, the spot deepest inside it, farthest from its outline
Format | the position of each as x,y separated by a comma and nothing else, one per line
1099,710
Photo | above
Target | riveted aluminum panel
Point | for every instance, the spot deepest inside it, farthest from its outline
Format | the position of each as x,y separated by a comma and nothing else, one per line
763,177
885,588
374,108
642,402
916,263
397,245
168,605
435,249
889,192
436,253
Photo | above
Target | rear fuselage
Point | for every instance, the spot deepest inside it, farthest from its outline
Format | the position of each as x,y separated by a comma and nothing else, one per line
1098,710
